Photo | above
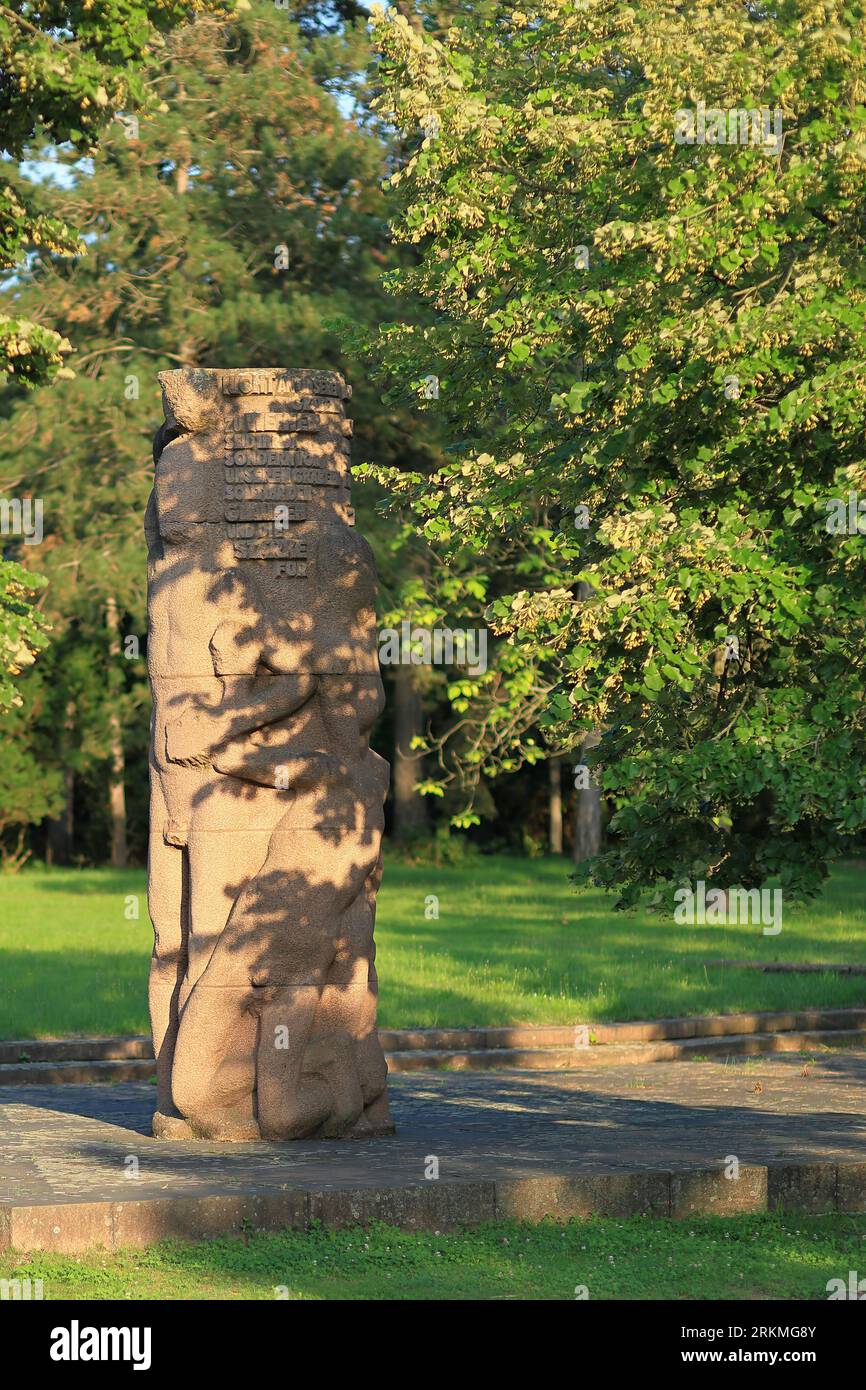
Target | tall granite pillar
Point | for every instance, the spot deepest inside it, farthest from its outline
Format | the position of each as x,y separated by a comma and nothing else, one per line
266,799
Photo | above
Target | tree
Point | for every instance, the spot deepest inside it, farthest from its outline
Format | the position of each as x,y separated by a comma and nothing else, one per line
32,788
23,629
68,66
649,343
226,228
554,804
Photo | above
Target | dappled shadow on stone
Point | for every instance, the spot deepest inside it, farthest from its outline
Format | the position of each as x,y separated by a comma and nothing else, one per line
267,802
615,1119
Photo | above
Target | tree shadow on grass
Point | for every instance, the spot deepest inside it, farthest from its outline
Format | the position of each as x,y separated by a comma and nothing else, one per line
88,882
48,994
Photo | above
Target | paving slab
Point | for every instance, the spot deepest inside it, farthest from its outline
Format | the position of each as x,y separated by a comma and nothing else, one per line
78,1167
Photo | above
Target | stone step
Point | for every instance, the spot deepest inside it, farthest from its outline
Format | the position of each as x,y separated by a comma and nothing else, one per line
481,1059
519,1037
559,1059
75,1049
75,1072
655,1030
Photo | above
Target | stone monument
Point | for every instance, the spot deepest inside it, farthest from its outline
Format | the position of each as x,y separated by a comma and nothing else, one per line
266,799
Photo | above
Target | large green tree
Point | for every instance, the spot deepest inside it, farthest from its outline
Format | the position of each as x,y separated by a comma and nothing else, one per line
66,67
649,337
227,226
22,627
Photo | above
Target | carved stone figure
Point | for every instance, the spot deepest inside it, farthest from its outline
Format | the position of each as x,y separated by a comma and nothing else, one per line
266,799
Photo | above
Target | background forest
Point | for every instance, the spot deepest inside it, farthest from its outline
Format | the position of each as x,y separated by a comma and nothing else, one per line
648,358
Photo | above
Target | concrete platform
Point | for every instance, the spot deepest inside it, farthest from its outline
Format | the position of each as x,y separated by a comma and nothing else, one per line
78,1168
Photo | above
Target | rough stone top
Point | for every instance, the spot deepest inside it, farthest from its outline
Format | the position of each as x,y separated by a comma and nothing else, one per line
196,398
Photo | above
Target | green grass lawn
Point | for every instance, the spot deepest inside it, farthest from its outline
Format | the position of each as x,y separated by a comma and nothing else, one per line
715,1257
513,943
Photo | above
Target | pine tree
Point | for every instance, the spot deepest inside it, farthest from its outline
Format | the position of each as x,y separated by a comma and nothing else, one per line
230,227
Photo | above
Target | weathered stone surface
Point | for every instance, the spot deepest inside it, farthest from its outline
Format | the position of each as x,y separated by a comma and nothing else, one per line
709,1190
266,799
138,1224
584,1195
437,1205
851,1187
802,1187
70,1226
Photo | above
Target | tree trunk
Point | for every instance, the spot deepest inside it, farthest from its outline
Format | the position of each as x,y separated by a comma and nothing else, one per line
117,792
587,814
187,350
410,813
554,802
60,830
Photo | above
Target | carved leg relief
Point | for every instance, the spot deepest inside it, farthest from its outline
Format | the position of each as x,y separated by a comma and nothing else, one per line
277,1037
